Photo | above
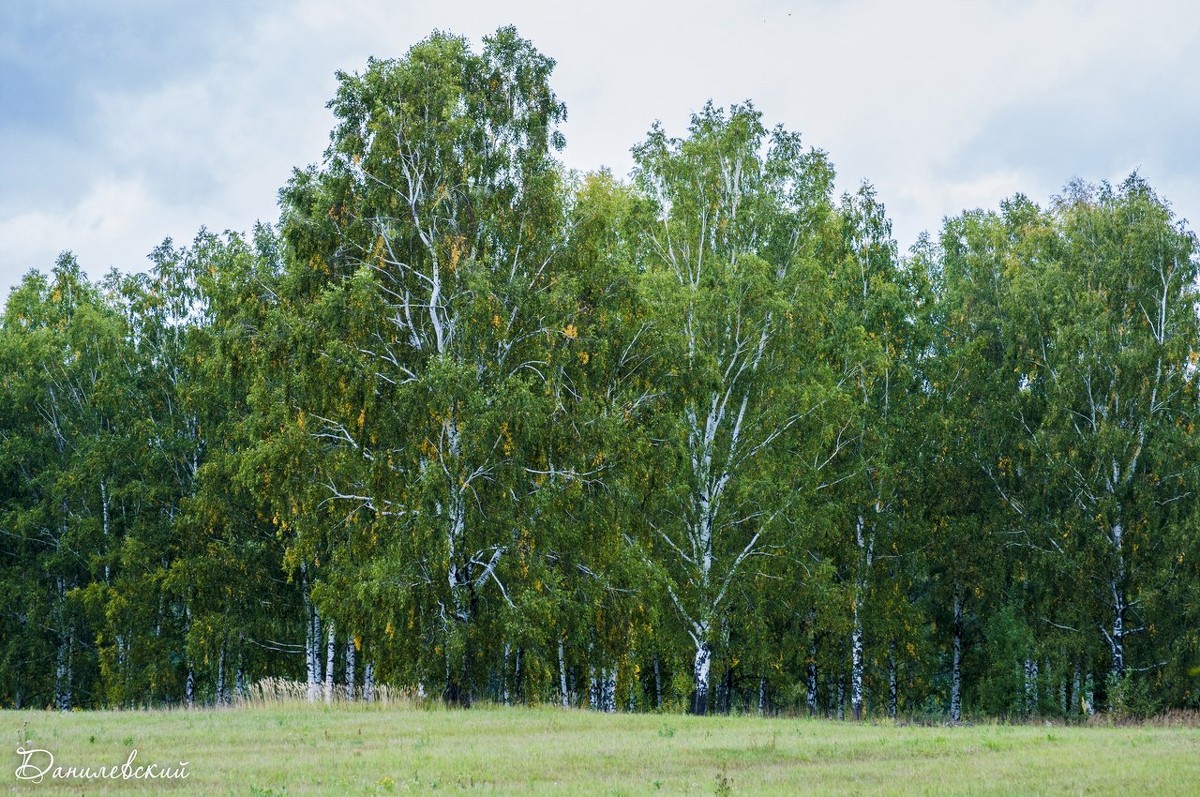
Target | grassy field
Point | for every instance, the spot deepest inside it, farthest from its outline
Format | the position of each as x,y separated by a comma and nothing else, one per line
298,749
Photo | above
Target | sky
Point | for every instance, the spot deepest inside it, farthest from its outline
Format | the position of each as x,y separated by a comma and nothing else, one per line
123,122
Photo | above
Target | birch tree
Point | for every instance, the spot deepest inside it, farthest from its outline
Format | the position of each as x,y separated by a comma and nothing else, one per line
1113,346
875,340
433,221
732,261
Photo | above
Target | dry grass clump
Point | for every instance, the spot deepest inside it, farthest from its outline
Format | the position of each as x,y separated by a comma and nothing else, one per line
281,691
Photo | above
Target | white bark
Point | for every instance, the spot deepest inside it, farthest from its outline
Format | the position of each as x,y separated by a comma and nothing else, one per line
106,526
701,671
63,692
603,689
1076,701
864,538
1116,637
312,647
221,699
351,685
810,667
504,694
856,667
330,650
562,676
369,682
62,674
1032,698
657,685
956,672
893,682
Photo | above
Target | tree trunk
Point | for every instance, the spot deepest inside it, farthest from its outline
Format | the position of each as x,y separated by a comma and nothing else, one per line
811,676
330,650
701,671
312,643
1116,639
504,696
62,673
856,666
221,677
956,672
66,651
106,526
603,689
351,686
369,682
562,676
865,538
893,682
1032,698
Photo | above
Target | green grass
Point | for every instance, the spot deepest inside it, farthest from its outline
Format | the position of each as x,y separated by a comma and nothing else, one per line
295,749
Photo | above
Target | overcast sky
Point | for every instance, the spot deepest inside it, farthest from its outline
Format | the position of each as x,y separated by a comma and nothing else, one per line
126,121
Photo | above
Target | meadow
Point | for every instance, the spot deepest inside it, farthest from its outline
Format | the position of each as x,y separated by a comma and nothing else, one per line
292,748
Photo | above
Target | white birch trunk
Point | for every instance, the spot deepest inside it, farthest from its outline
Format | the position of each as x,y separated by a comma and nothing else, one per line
106,527
504,696
351,675
956,672
562,676
1031,686
893,682
369,682
63,664
864,537
221,677
62,675
330,650
856,667
811,671
701,672
312,643
1089,696
657,685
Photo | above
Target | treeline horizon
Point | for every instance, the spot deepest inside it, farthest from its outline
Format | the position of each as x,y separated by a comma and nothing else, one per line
476,427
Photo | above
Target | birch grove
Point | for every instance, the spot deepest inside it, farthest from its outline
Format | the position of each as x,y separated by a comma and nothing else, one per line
465,425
